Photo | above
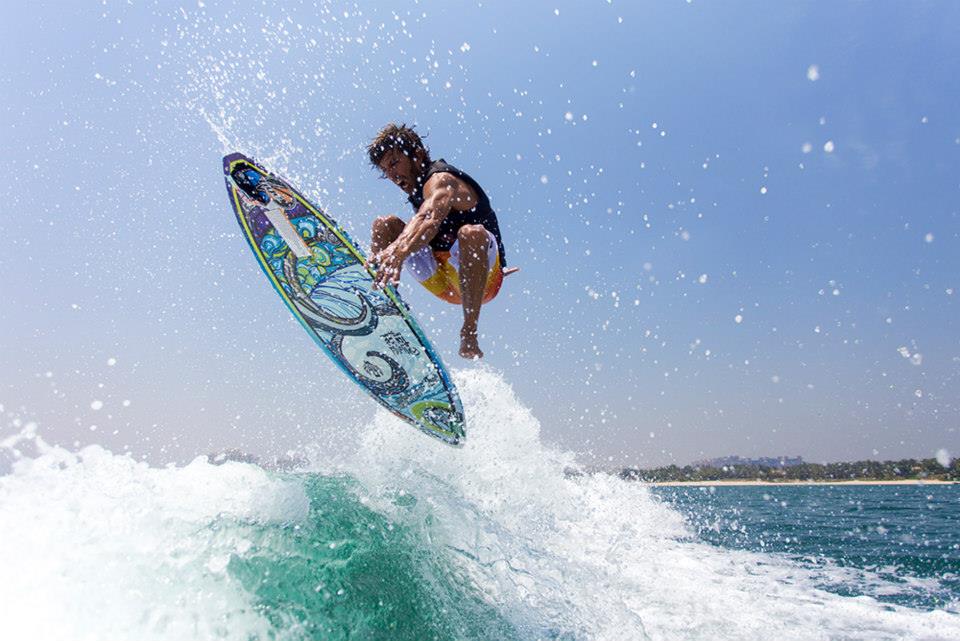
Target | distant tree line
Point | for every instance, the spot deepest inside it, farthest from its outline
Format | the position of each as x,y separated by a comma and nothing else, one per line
906,469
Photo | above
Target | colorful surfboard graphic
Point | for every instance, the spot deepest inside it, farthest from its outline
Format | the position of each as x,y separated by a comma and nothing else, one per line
323,278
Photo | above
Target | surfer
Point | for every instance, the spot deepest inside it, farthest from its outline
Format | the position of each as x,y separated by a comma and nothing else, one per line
452,245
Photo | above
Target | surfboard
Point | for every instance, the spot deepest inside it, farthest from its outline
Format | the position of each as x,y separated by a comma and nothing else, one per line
326,283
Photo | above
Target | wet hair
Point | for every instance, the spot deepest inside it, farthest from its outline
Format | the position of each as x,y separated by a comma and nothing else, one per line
395,136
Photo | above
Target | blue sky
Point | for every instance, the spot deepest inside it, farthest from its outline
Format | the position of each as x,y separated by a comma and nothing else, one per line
737,222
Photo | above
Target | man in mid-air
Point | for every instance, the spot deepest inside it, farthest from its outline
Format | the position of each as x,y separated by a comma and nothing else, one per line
452,245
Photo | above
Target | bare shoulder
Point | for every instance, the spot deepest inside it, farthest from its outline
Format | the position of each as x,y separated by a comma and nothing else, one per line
462,195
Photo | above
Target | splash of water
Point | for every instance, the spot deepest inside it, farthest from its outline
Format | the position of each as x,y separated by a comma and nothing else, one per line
400,538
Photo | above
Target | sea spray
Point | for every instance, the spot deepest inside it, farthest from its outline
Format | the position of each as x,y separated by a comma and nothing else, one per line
99,546
588,555
396,537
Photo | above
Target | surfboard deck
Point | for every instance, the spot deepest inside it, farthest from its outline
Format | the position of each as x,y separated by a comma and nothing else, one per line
324,279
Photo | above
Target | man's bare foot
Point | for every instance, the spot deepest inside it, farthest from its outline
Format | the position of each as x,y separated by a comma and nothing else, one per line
469,347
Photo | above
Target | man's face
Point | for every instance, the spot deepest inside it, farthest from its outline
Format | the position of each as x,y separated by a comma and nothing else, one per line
401,169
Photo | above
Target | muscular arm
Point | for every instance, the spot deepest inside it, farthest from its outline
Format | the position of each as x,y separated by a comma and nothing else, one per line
443,193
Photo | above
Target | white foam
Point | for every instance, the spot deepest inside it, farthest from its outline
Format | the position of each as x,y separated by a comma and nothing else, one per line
98,546
592,554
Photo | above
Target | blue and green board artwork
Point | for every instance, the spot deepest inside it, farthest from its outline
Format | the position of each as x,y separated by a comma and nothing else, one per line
323,278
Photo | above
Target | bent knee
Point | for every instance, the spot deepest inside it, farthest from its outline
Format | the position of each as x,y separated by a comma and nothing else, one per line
386,223
472,234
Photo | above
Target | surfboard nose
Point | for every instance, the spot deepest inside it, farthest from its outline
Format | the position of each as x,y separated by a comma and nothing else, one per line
230,159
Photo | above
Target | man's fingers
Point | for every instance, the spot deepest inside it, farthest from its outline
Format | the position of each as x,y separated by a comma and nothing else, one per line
386,275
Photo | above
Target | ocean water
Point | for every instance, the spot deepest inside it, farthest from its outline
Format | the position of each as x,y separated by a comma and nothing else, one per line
899,544
403,538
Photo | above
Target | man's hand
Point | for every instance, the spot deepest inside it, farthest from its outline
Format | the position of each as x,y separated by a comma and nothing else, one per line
440,193
388,264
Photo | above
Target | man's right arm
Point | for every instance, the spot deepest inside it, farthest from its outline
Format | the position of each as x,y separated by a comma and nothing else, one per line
441,191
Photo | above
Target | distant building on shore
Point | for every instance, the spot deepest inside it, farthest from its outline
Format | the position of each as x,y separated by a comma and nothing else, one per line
737,461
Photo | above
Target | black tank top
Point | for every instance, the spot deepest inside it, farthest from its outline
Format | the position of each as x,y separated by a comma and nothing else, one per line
481,214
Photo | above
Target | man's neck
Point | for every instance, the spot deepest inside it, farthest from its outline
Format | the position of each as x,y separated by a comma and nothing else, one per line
423,162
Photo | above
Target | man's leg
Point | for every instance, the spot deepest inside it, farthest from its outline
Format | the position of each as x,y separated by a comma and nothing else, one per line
386,229
474,256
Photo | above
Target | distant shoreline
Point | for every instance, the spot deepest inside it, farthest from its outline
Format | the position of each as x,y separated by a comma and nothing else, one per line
735,482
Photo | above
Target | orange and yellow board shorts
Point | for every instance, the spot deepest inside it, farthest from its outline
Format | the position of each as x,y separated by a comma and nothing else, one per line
439,271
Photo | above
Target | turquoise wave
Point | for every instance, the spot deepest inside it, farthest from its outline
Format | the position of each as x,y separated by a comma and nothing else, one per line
348,572
404,538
